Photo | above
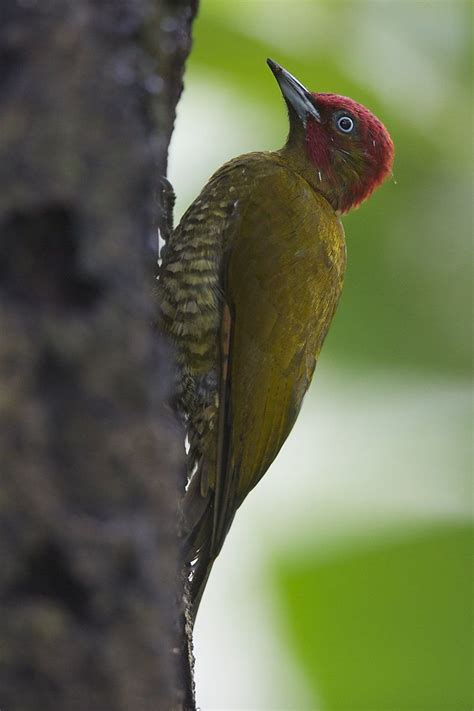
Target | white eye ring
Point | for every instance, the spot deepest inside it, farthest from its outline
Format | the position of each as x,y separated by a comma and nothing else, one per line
345,124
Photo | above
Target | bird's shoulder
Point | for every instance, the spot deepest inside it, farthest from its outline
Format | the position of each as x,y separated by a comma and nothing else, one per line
245,177
260,174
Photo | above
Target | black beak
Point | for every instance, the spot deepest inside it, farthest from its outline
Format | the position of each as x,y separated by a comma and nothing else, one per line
295,93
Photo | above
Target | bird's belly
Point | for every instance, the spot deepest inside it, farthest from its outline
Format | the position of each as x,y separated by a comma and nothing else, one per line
290,297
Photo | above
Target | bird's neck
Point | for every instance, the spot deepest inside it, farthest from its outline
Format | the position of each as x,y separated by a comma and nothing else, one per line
295,155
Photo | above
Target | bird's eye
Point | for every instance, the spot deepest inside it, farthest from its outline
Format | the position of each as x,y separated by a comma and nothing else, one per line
345,124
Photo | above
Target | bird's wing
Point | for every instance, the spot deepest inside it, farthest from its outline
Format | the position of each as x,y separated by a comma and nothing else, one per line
282,282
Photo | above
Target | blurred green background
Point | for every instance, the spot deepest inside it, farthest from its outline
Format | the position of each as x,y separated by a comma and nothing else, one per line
345,583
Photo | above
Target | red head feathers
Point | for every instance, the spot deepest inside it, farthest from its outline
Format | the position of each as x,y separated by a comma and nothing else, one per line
350,149
350,146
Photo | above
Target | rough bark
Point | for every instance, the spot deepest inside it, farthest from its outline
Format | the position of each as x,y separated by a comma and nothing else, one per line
91,457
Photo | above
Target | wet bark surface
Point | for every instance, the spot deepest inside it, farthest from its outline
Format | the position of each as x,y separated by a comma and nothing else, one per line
91,460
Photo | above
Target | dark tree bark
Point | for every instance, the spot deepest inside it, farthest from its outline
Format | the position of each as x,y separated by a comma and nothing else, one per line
91,455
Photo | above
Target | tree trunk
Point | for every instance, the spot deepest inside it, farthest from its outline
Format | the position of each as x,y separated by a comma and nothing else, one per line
91,455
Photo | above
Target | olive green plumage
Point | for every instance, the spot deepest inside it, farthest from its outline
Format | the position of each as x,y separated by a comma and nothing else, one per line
261,242
248,286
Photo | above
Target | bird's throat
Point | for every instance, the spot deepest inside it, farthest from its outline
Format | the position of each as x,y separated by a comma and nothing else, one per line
320,178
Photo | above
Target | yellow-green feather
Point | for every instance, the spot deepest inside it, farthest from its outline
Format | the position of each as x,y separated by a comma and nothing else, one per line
262,241
285,277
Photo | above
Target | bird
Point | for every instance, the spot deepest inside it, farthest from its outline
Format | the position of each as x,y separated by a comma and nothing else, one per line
247,288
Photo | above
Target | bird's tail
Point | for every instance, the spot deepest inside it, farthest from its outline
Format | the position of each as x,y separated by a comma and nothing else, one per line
197,540
199,577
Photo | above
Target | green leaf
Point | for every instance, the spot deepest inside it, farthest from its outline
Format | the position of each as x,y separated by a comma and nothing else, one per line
384,627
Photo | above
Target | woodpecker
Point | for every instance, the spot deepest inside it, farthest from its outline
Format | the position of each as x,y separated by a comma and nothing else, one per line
248,286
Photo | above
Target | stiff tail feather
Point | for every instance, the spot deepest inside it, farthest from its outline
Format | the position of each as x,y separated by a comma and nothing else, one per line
198,525
200,545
